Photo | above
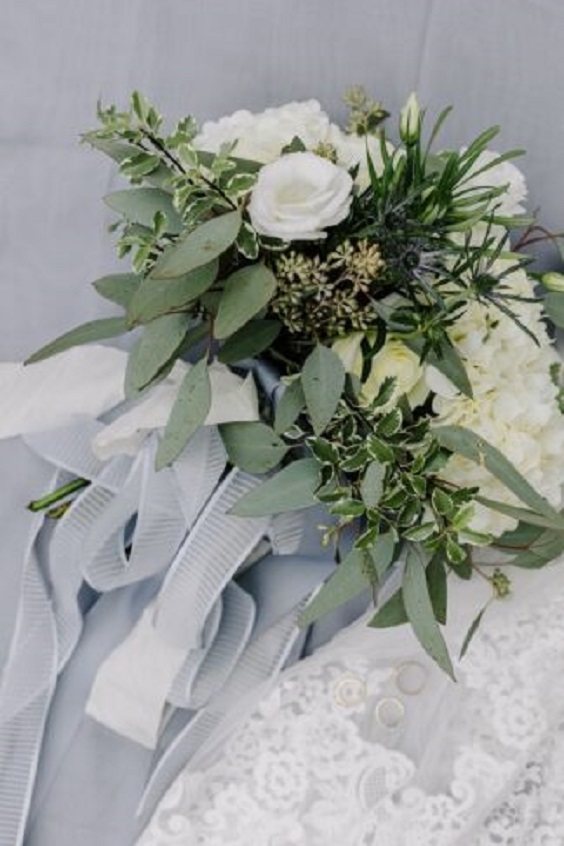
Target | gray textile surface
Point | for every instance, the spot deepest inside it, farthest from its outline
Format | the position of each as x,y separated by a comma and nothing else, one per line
495,62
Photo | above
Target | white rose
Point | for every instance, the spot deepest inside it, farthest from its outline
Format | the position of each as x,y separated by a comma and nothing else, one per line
298,196
261,137
397,360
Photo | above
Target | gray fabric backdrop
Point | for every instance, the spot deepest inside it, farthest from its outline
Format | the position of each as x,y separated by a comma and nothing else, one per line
494,61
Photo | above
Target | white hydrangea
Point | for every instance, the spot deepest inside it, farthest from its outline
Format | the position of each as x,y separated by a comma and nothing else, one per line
262,136
514,404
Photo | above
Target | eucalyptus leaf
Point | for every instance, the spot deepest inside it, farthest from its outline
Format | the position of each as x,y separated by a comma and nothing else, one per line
199,247
292,488
554,307
157,297
159,343
253,447
420,610
86,333
290,406
392,613
522,514
245,294
249,341
323,380
544,549
382,552
466,443
118,287
436,576
472,631
189,412
139,205
347,581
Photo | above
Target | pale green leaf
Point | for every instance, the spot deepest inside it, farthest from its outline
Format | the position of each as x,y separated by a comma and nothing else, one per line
159,343
290,405
86,333
292,488
323,380
472,446
253,447
139,205
347,581
245,294
382,553
544,549
188,413
392,613
199,247
522,514
249,341
554,308
118,287
420,611
156,297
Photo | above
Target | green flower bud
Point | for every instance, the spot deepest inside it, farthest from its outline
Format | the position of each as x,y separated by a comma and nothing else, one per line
410,120
553,282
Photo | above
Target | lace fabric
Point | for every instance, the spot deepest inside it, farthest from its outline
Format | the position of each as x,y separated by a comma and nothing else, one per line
367,744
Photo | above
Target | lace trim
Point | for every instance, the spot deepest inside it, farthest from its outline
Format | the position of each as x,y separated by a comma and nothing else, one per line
336,753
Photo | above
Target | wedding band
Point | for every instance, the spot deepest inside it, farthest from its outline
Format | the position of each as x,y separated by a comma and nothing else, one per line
349,691
389,712
411,678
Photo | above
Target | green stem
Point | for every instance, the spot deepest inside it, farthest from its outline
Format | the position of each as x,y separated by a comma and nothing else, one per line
56,496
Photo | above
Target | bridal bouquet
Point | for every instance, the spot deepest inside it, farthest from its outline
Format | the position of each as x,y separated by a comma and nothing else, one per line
358,302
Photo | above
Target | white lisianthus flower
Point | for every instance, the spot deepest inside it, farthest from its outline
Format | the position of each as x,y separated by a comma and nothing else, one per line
504,174
298,196
261,137
397,360
410,120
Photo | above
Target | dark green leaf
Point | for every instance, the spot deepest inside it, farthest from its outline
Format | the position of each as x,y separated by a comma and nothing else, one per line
199,247
292,488
157,297
420,610
95,330
347,581
290,405
139,205
159,343
118,287
323,380
188,413
253,447
245,294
